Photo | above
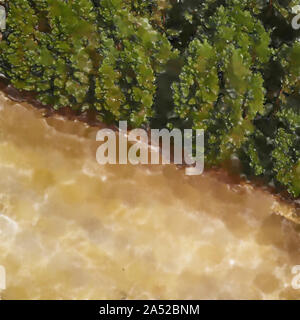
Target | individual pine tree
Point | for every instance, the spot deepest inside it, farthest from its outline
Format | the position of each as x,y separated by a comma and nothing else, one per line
220,87
273,151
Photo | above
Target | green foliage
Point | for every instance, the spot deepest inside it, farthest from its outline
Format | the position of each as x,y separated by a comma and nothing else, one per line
230,67
274,150
155,10
276,7
276,16
241,83
185,17
85,54
220,87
